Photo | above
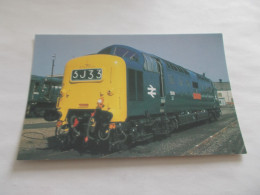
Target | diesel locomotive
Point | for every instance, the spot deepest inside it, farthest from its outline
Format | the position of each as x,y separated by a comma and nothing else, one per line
123,95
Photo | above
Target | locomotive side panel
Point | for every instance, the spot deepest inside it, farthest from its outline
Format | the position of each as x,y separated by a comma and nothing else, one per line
178,96
143,93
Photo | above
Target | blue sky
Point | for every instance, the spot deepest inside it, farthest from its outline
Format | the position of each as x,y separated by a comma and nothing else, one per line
201,53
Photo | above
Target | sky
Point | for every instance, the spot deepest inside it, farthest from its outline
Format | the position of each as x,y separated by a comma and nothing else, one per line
201,53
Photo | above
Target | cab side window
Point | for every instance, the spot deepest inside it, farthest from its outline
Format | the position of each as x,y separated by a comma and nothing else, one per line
150,64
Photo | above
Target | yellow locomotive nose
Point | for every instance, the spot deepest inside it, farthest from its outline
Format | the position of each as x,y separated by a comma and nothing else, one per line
63,92
95,82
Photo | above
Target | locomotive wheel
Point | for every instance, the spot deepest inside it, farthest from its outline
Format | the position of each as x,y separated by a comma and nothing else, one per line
63,136
51,115
103,133
212,117
217,115
174,125
116,141
177,124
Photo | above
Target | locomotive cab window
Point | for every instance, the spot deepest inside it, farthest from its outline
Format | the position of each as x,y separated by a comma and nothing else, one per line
125,53
106,51
135,85
150,64
121,52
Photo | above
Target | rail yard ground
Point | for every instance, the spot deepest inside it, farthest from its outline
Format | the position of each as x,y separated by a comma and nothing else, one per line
219,137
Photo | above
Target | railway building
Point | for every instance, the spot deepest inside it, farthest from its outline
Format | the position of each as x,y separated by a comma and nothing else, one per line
224,93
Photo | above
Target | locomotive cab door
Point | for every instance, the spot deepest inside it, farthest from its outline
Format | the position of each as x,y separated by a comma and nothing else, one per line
161,83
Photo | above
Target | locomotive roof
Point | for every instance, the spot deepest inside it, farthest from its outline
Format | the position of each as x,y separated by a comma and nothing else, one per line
185,70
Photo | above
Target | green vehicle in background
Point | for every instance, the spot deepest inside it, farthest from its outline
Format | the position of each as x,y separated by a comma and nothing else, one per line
42,98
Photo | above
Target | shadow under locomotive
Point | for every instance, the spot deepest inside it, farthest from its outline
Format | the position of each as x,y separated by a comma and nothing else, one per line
136,133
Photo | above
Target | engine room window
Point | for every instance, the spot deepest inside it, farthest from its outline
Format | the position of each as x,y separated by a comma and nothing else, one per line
175,67
195,85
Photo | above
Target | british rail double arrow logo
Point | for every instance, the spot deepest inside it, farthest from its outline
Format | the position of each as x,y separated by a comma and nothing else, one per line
151,91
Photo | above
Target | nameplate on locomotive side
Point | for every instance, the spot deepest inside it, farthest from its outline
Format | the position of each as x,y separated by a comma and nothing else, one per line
196,96
86,74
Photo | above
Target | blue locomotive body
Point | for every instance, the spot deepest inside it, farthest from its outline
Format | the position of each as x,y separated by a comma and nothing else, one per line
156,86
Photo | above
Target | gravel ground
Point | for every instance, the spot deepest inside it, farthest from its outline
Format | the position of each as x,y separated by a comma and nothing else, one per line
220,137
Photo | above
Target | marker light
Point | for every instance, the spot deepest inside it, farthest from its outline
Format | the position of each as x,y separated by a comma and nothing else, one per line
62,92
59,123
112,125
93,113
100,102
76,122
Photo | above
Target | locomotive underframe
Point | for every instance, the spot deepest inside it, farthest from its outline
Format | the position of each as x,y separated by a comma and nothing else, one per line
94,126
